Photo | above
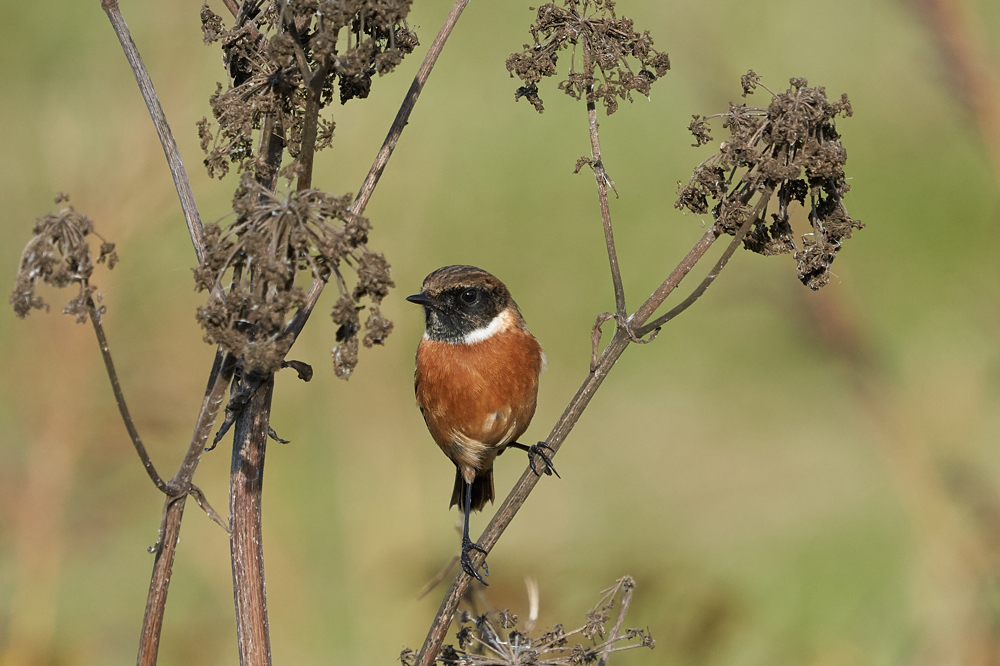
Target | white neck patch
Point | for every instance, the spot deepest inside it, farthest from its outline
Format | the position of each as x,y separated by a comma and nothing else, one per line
501,322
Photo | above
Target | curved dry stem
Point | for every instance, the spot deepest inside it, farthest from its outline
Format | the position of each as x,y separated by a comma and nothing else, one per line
181,183
109,365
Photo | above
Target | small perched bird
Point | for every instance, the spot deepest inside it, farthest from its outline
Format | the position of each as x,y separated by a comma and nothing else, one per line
476,381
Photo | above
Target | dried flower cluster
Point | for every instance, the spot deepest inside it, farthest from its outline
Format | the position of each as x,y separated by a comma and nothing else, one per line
59,255
495,641
791,149
607,43
277,52
273,239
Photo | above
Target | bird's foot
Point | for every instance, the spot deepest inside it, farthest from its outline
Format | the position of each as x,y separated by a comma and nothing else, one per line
536,450
469,545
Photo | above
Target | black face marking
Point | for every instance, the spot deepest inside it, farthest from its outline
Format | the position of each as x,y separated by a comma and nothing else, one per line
458,300
460,310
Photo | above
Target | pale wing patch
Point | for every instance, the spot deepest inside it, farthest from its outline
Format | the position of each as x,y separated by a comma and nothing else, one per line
545,363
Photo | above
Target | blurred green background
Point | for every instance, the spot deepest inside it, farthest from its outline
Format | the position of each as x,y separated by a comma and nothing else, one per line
775,504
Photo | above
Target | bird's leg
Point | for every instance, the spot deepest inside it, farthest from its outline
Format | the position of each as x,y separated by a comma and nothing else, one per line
468,544
536,450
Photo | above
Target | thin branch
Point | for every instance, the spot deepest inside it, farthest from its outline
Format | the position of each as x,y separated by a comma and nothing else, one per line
184,193
667,287
109,364
602,192
403,115
314,85
714,273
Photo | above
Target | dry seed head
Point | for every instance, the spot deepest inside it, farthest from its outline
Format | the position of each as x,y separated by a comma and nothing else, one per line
344,42
791,149
59,255
608,45
492,639
274,239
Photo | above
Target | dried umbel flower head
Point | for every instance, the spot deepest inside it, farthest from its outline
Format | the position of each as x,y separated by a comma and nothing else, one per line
59,255
790,149
273,240
607,43
493,639
281,55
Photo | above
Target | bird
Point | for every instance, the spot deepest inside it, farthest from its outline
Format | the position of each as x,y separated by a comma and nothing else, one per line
476,382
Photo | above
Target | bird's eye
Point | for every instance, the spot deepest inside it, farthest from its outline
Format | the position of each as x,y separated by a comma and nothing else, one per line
469,296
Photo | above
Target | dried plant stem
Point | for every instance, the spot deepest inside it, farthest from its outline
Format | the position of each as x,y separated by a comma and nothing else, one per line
109,364
246,542
173,511
602,194
159,583
714,273
385,152
310,128
628,585
173,155
667,287
624,335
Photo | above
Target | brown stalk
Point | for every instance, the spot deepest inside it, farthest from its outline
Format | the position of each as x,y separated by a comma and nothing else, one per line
173,155
624,334
602,191
310,128
714,273
173,511
222,370
109,365
245,538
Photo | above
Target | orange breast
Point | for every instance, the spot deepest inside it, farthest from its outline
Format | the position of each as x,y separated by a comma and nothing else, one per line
476,398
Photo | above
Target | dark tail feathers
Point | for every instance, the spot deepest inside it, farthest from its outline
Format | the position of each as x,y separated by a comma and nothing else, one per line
482,490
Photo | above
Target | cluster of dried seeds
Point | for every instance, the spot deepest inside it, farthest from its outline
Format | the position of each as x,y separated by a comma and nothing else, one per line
791,150
59,255
607,43
276,53
273,239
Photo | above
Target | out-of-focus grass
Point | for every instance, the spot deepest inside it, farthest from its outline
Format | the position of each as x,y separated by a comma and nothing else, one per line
727,467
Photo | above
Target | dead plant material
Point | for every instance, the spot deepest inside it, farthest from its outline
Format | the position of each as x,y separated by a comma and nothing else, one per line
59,255
273,239
792,148
608,42
493,639
279,52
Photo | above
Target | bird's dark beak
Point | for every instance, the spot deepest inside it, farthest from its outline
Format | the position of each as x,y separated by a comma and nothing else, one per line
422,299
